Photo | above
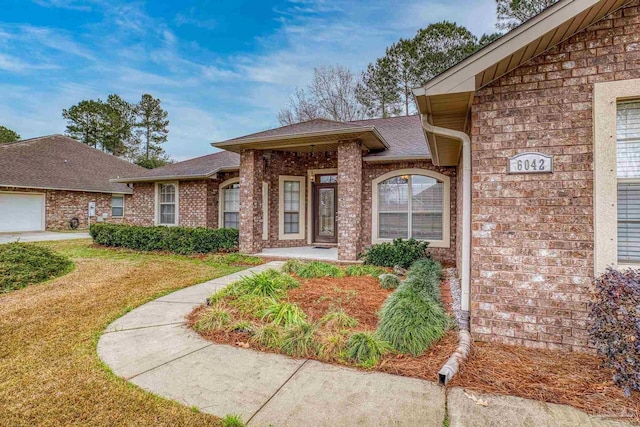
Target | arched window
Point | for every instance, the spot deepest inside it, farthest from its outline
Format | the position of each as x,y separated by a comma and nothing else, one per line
411,203
230,204
167,203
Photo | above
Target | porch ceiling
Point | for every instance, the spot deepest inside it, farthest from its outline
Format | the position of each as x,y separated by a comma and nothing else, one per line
320,141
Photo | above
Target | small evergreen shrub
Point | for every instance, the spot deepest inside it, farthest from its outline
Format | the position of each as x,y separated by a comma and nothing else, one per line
338,319
316,269
267,336
615,331
399,252
410,322
389,281
283,313
299,340
180,240
424,277
364,270
366,348
26,264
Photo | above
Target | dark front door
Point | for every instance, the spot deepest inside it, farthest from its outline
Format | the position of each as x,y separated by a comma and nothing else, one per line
325,209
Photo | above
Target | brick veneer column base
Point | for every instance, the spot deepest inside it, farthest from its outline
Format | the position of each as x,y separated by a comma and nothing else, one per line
251,176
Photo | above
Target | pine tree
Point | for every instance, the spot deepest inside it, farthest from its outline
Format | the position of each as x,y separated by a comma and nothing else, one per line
152,126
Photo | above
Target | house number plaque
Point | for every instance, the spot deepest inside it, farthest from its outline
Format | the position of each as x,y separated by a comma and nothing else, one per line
530,163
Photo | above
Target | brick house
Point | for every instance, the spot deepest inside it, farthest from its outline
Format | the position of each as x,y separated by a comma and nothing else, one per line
316,183
47,181
522,169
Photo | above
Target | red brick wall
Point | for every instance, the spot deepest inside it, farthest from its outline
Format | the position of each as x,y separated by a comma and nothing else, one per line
532,260
62,205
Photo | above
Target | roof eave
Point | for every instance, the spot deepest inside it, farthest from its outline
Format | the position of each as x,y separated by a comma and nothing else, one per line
175,177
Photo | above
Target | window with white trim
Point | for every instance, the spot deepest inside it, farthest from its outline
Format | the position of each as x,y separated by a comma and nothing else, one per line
628,177
167,204
410,206
231,206
291,212
117,206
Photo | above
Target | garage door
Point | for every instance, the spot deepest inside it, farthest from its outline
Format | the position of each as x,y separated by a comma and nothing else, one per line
21,212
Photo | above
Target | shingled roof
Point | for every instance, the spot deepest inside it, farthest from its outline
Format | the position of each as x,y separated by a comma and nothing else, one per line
197,168
62,163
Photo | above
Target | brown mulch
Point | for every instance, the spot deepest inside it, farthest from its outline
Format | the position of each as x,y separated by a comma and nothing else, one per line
359,297
574,379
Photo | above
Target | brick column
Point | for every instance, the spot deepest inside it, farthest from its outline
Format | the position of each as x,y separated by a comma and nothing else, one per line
251,175
349,199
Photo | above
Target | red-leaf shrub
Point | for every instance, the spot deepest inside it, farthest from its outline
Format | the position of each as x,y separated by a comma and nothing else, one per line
615,330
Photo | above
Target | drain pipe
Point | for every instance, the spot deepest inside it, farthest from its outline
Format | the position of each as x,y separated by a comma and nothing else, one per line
451,367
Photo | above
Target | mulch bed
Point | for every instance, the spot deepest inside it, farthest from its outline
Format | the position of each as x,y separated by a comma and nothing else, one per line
573,379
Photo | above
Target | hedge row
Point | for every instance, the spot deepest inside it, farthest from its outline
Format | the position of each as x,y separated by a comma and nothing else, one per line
400,252
180,240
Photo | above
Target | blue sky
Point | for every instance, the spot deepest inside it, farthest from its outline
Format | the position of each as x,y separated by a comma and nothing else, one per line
221,68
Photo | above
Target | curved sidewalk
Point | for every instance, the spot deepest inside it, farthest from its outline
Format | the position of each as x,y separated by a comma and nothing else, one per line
151,347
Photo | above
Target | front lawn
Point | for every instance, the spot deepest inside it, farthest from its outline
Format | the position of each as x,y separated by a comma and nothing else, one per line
50,373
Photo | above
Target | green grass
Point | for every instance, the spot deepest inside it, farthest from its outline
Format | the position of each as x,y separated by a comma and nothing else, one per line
233,258
283,313
292,266
249,304
242,326
364,270
233,420
389,281
316,269
24,264
267,336
216,317
366,348
411,323
336,318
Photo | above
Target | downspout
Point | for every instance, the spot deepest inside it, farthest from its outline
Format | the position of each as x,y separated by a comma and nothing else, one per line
451,367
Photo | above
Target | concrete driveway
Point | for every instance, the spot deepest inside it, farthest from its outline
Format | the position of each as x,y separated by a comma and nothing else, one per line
41,236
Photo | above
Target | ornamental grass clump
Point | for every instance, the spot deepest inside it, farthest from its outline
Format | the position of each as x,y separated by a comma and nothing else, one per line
292,266
424,278
250,304
410,322
283,313
338,319
217,317
267,336
364,270
299,340
316,269
388,281
270,283
615,331
366,348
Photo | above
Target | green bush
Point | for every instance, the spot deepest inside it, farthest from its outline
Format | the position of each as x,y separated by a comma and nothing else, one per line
366,348
400,252
410,322
180,240
316,269
25,264
389,281
424,278
364,270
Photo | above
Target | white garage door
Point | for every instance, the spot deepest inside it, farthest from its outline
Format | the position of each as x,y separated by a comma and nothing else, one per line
21,212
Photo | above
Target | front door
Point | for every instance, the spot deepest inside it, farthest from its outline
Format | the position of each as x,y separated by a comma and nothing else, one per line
325,209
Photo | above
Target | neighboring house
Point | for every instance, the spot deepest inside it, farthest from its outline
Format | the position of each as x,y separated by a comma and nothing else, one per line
46,182
528,232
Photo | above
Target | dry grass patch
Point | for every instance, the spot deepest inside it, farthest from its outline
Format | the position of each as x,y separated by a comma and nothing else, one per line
50,373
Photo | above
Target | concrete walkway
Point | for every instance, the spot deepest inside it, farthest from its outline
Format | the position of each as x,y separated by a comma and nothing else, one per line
41,236
151,347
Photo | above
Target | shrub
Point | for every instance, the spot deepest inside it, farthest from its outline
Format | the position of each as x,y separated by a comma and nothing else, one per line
615,313
424,278
22,265
180,240
364,270
316,269
284,313
213,318
270,283
389,281
267,336
366,348
410,322
338,319
299,340
400,252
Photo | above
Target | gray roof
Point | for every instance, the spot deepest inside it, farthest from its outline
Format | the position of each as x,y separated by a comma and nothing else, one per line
60,162
197,168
